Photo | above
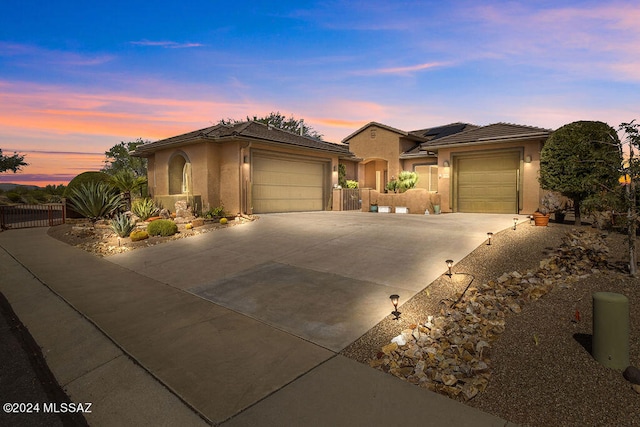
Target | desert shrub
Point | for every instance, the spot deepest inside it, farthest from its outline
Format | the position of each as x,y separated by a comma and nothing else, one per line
144,208
352,183
94,200
215,212
122,225
14,197
162,227
137,235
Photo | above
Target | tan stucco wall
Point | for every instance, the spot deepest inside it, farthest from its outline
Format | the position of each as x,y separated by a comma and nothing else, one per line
530,188
417,200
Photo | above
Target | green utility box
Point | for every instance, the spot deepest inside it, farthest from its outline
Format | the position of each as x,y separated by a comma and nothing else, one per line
611,329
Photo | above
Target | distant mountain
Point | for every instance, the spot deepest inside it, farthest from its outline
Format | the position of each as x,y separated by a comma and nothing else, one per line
7,186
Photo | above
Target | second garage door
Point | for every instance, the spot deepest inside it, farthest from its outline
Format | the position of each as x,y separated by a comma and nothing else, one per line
287,185
487,183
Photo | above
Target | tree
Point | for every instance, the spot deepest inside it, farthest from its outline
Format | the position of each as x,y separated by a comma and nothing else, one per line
279,121
126,182
579,159
629,178
13,163
118,159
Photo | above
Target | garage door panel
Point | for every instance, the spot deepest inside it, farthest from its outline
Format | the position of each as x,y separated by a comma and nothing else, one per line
287,185
488,183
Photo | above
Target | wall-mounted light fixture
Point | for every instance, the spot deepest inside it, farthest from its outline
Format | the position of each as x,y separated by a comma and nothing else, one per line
245,159
446,164
527,159
489,236
449,265
515,223
335,168
394,300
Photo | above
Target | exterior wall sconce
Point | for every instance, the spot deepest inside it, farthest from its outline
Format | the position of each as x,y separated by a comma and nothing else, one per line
527,159
245,159
394,300
335,168
449,265
446,164
489,236
515,223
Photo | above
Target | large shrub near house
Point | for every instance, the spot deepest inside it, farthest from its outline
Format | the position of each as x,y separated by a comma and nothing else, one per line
85,178
95,200
162,227
579,160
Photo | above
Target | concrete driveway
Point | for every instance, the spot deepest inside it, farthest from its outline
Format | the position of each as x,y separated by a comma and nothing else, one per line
325,277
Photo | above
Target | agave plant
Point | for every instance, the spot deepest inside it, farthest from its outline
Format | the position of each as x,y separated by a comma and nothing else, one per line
144,208
122,225
95,200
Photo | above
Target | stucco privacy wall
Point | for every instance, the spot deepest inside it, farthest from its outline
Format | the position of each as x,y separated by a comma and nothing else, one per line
417,200
530,192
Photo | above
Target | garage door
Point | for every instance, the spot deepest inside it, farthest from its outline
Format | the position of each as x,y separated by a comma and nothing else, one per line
287,185
487,183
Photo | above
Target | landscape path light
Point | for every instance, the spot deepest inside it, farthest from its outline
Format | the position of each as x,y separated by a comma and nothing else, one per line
489,236
394,300
530,219
515,222
449,265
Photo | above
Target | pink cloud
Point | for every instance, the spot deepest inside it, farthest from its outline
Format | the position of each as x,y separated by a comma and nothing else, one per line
166,44
403,70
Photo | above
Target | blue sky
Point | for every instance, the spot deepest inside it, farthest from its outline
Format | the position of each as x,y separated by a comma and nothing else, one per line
79,77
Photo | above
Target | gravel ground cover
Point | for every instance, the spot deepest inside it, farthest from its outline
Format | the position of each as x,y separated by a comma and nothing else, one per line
541,370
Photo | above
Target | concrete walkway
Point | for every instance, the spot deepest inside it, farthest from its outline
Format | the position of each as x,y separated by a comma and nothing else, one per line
223,323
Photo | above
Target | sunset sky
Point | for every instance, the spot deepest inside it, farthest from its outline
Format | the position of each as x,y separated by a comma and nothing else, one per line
78,77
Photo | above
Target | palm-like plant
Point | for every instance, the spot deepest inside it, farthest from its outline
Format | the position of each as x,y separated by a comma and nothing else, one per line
126,181
95,200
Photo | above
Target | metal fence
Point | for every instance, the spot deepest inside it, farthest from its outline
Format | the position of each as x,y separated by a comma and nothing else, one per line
351,200
25,216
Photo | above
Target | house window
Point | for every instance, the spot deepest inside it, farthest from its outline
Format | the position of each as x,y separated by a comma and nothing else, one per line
433,178
427,177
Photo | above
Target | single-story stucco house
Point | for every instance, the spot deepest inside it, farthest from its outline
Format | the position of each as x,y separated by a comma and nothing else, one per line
246,167
251,167
491,168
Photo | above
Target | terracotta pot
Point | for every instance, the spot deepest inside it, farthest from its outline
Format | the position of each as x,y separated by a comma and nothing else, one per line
540,219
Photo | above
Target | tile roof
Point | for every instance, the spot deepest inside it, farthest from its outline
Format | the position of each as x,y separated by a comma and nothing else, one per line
248,131
491,133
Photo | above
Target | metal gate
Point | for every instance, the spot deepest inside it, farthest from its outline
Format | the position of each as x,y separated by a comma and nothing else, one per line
25,216
351,199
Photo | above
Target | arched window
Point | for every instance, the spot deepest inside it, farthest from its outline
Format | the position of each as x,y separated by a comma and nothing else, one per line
177,169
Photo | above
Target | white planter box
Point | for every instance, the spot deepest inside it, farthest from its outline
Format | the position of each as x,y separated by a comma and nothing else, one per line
384,209
402,209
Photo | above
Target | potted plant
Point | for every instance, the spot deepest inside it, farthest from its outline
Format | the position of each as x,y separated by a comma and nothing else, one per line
541,217
549,203
436,204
